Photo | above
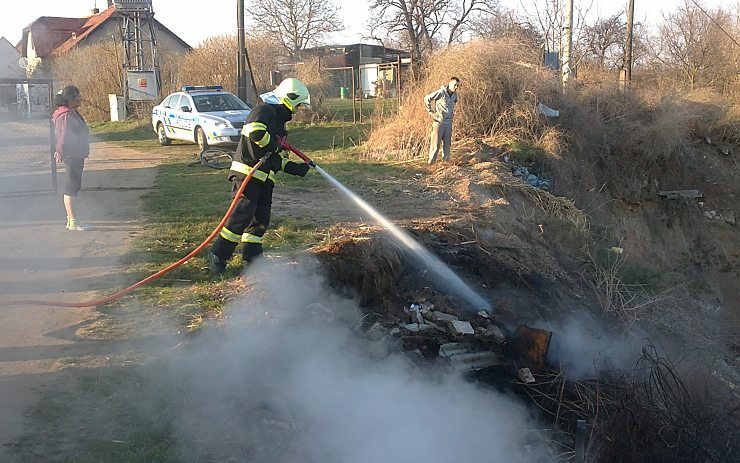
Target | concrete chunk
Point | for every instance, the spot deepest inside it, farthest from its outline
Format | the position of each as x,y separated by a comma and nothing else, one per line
435,326
525,375
413,327
426,307
475,361
496,332
437,316
460,327
455,348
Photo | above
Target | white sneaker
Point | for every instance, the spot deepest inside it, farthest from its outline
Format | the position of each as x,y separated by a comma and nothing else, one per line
79,227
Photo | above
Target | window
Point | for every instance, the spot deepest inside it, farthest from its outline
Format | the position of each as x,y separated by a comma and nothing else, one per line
170,101
220,102
185,103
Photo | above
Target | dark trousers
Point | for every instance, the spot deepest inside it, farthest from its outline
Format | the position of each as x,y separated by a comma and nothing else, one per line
252,215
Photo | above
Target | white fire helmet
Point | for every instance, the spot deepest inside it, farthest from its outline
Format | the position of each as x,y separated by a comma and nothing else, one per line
291,92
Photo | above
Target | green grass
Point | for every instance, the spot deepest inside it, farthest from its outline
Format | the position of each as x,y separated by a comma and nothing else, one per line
341,110
139,134
106,415
188,201
525,155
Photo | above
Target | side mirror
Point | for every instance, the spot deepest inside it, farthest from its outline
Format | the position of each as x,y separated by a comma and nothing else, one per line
185,109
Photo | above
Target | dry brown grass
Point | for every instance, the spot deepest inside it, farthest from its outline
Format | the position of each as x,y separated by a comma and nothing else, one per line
501,85
625,144
711,115
368,264
319,85
636,141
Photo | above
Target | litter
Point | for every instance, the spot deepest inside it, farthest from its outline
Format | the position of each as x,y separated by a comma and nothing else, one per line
547,111
531,179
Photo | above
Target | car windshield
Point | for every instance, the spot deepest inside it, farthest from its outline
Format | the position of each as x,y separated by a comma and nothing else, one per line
219,102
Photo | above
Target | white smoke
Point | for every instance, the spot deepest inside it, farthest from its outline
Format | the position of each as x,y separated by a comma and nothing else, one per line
290,379
583,346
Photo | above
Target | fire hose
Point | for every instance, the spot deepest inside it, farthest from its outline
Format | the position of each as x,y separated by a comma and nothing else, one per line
284,143
154,276
117,295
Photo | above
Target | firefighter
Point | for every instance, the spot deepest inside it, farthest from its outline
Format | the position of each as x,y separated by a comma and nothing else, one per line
259,139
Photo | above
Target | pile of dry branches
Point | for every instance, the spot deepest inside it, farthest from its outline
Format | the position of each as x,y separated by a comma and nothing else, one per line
650,414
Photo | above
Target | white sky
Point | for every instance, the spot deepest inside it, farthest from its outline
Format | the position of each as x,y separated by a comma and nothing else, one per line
219,16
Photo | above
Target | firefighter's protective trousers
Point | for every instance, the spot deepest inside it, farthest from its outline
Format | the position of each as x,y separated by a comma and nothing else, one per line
248,223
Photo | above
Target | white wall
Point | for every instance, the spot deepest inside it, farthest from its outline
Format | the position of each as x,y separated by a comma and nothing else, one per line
9,57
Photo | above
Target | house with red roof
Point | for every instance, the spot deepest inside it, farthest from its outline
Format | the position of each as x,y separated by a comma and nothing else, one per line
48,37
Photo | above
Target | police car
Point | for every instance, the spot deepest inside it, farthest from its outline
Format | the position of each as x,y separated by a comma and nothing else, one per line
205,115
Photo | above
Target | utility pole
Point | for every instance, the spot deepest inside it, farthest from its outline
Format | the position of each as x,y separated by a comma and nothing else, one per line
627,70
567,68
241,72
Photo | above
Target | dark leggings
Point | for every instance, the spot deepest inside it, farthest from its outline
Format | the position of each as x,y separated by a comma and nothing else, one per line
74,176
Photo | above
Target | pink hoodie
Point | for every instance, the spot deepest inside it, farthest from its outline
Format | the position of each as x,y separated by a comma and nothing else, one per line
72,134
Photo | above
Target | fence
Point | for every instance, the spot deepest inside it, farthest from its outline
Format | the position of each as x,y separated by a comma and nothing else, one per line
26,137
353,93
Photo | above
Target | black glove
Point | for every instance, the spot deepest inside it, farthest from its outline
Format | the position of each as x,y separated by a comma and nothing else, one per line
296,168
301,170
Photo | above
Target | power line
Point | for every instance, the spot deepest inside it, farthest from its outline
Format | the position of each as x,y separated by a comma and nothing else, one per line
715,22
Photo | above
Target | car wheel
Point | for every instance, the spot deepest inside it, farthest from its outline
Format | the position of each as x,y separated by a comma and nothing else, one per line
200,139
162,135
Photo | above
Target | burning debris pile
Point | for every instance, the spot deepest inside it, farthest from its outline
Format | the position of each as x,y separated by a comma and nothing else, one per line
471,343
434,327
594,417
466,344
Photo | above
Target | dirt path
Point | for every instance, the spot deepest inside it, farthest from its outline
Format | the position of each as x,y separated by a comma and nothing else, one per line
42,260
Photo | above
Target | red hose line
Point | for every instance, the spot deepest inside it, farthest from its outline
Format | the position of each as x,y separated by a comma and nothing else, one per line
154,276
284,143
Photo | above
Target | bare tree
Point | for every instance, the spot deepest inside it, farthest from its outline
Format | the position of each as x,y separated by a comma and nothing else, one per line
264,54
428,23
548,20
296,24
214,61
694,44
605,39
506,23
461,14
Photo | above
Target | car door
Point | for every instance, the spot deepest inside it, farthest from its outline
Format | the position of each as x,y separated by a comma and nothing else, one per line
185,117
169,116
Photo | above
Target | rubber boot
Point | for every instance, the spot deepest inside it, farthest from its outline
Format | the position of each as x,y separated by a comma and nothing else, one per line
217,264
250,252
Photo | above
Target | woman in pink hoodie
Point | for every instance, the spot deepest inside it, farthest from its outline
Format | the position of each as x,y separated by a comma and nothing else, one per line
72,147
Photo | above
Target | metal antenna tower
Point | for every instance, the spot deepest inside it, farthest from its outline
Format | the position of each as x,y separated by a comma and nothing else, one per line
140,64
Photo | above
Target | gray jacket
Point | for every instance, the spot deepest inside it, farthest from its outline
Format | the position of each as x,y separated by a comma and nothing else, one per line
441,105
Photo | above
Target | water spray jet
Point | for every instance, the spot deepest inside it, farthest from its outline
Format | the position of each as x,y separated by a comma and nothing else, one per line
441,273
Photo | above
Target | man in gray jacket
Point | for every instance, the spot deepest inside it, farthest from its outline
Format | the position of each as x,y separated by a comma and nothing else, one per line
441,106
